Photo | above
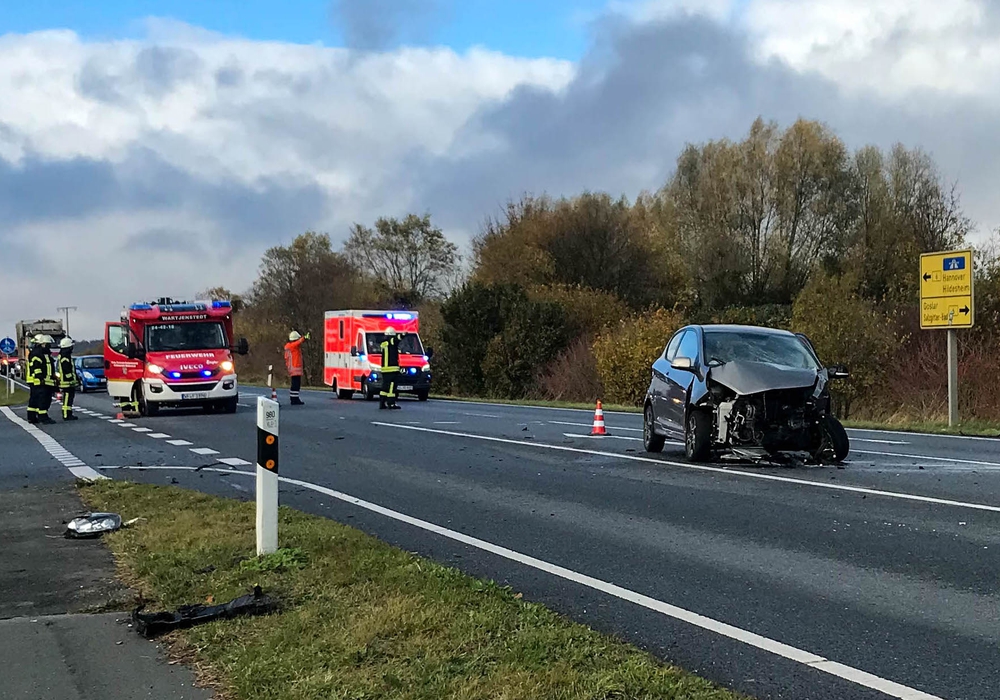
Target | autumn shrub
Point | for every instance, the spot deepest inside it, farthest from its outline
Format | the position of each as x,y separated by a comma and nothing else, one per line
572,375
588,311
847,330
625,352
767,315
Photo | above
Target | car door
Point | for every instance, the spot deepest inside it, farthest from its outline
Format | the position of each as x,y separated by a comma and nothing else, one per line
658,383
679,381
120,370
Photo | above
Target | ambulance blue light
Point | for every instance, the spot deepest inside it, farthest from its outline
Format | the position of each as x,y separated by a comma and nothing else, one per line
399,317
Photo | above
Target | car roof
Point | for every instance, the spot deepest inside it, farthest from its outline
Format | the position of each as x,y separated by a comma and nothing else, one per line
83,357
761,330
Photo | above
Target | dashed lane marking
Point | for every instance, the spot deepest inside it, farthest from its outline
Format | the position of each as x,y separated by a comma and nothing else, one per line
204,451
609,437
141,430
116,421
234,461
179,443
806,658
75,465
158,436
704,468
588,425
126,425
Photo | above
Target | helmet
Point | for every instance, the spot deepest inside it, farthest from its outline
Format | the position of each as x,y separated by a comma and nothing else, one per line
391,332
294,335
66,342
48,340
38,340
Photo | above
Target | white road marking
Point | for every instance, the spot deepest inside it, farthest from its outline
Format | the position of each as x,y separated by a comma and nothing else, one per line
204,451
806,658
244,405
602,437
75,465
589,425
481,415
933,435
447,422
234,461
706,468
98,415
158,436
142,430
953,460
179,443
126,425
881,442
116,421
537,408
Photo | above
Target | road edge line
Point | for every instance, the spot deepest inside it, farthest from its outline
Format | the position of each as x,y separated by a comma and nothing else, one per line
75,465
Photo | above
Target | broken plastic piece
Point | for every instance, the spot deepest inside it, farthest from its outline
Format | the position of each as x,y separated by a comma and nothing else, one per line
93,525
150,625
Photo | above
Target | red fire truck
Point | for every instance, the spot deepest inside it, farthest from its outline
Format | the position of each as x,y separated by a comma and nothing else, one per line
353,355
170,354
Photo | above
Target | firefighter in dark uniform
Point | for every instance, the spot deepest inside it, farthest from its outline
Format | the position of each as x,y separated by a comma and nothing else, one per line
42,379
390,370
67,378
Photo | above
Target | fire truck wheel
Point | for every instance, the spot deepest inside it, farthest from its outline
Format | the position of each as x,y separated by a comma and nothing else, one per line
229,405
148,409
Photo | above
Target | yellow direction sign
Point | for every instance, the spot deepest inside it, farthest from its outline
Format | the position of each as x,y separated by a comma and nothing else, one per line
946,297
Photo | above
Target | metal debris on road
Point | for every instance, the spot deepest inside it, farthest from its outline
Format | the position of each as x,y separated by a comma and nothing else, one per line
150,625
92,525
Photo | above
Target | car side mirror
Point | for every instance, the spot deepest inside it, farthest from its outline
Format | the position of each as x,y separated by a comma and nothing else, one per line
242,347
135,352
837,372
683,363
429,352
354,351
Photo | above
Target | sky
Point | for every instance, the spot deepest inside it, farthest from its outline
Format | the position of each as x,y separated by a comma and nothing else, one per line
155,149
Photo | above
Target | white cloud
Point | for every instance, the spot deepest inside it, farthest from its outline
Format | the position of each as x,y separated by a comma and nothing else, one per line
167,164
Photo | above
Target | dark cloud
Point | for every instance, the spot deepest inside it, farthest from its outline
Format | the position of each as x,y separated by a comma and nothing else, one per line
40,189
374,25
160,68
645,91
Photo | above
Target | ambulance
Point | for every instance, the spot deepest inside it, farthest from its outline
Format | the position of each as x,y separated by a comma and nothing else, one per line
353,355
173,354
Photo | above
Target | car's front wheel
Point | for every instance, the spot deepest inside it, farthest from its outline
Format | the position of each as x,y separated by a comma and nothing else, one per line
650,440
834,443
698,436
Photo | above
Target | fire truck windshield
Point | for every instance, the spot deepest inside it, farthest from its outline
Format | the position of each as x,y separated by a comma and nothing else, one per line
166,337
409,344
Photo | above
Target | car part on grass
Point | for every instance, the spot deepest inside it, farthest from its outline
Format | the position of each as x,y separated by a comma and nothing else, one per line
93,525
150,625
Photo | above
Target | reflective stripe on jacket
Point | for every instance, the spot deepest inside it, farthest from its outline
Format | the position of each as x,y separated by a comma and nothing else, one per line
293,357
390,355
67,372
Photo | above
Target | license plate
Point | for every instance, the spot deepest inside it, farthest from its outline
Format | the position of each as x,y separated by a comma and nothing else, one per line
406,387
194,397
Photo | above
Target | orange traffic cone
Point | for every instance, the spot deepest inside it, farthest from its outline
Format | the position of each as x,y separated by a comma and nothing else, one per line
274,393
120,416
599,421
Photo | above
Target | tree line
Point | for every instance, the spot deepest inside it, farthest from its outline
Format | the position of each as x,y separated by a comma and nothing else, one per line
572,298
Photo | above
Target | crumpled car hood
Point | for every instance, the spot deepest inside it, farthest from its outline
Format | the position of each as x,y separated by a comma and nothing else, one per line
754,377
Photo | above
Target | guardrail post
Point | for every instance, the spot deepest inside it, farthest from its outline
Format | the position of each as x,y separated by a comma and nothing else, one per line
267,476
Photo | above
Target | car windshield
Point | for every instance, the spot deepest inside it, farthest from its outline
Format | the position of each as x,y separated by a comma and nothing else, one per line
409,343
92,362
165,337
746,346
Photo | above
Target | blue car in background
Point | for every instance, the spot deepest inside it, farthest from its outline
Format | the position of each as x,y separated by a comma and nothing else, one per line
90,373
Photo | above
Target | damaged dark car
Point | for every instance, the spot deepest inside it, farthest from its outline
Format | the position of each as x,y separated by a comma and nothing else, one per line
745,392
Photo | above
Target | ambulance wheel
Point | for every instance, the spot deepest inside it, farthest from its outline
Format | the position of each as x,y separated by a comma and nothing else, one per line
344,394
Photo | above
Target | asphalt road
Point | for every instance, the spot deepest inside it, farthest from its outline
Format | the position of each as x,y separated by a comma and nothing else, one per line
805,583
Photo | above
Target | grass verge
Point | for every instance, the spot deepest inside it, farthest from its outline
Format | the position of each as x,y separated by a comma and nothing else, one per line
16,399
360,619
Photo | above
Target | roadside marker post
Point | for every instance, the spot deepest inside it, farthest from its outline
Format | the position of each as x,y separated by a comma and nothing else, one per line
270,383
947,300
267,476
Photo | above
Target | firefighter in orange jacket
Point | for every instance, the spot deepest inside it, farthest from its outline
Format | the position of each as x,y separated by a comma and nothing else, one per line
293,363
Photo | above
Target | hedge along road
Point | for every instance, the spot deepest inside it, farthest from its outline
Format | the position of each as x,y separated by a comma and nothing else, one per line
904,590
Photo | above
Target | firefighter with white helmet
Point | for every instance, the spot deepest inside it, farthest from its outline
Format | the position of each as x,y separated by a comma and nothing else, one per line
390,370
67,377
293,363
